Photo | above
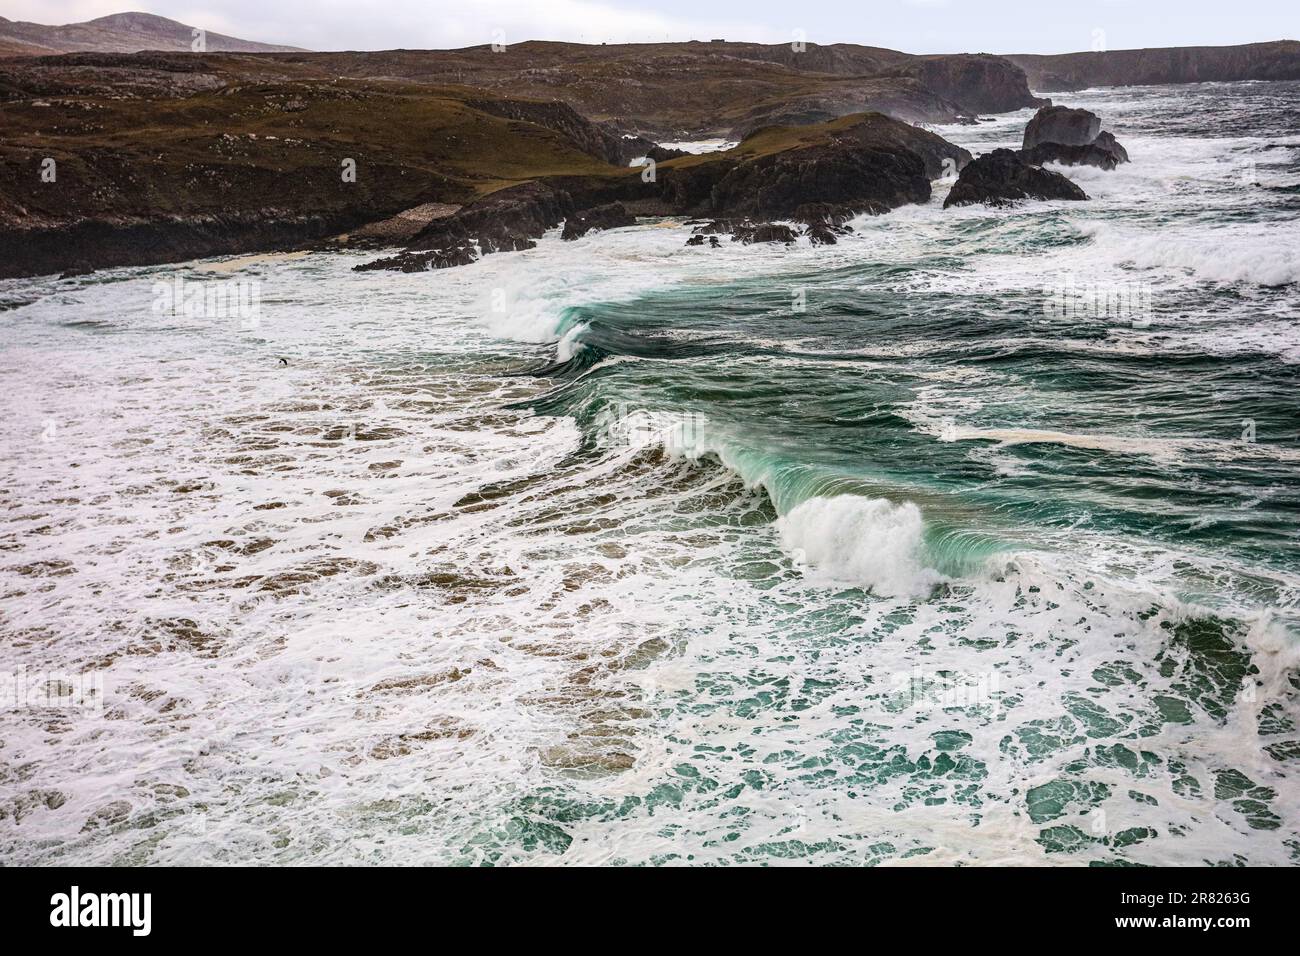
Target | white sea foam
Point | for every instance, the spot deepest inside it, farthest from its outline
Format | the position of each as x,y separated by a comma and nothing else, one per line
870,542
1266,255
701,145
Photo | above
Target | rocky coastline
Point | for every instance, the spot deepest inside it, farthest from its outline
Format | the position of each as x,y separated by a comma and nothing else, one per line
166,157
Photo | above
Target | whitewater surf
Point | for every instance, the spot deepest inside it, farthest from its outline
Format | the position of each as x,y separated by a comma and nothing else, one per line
623,551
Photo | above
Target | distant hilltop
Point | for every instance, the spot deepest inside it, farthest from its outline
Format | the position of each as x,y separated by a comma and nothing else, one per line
941,87
118,33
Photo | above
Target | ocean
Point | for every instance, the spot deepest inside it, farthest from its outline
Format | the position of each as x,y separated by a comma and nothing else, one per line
971,539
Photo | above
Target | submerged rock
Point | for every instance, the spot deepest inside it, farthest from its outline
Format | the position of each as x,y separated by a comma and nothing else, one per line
609,216
1001,177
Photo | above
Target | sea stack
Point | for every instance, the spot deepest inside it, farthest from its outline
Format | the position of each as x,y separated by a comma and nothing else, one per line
1071,137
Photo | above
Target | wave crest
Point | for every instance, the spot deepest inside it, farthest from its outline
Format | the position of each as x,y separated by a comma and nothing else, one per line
867,541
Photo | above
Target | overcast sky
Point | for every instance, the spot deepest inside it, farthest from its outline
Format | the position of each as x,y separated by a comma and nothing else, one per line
916,26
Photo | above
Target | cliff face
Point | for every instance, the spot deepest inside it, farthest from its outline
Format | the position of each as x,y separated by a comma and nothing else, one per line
981,83
1279,60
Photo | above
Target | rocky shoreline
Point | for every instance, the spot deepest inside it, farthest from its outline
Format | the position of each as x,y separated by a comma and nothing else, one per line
167,157
818,176
776,186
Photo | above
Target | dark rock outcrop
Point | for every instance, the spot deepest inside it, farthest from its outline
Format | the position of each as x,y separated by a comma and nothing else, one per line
399,229
862,163
1071,137
1002,177
820,234
823,213
1107,142
763,232
1090,155
748,232
82,246
829,172
940,157
1062,125
820,176
507,220
851,177
609,216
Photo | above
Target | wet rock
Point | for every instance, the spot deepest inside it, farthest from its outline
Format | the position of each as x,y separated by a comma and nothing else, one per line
820,234
826,214
862,163
742,230
1090,155
509,219
768,232
423,261
401,228
1108,142
721,227
609,216
1071,137
1001,177
1063,125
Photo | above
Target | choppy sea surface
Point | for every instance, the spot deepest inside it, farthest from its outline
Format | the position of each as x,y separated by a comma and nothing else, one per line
620,551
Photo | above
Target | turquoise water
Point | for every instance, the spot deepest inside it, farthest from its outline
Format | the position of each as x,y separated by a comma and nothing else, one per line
619,551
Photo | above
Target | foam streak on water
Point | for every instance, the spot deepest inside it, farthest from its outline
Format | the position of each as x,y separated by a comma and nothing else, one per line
604,552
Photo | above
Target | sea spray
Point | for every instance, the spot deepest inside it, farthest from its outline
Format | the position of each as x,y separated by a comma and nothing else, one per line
868,542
